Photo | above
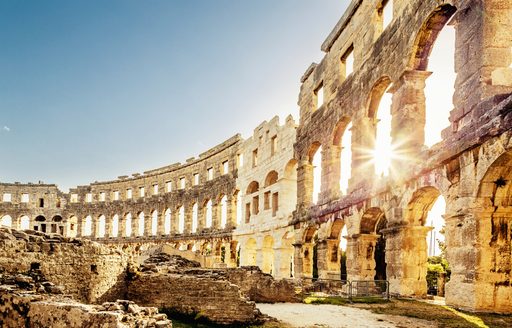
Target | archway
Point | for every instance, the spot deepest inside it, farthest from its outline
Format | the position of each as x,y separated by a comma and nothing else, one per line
195,214
6,221
493,215
372,245
87,230
140,230
71,226
342,143
434,50
154,223
114,232
315,159
248,256
268,255
310,253
128,224
25,222
101,227
209,213
223,211
167,221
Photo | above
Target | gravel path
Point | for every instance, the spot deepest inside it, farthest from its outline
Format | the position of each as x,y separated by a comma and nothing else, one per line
334,316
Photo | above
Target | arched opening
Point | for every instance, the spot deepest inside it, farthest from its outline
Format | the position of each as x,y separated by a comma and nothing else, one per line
25,222
315,159
128,224
343,139
71,226
167,221
195,210
6,221
140,230
310,253
271,178
494,235
252,206
154,222
253,187
181,219
434,50
223,211
268,255
374,265
209,213
87,230
290,170
336,250
115,226
379,112
427,209
101,226
249,256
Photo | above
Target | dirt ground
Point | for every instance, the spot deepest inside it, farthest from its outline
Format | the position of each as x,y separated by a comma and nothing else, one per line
400,313
335,316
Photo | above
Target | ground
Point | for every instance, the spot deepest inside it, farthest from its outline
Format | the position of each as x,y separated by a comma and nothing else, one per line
396,313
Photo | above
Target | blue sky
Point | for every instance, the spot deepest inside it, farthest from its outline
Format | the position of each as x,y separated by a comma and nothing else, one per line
90,90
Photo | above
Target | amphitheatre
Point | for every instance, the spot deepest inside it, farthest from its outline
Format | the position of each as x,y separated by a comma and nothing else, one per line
189,236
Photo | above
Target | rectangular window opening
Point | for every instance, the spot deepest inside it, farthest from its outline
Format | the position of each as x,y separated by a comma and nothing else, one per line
348,61
319,95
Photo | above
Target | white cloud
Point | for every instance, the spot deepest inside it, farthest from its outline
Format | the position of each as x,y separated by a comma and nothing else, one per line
6,128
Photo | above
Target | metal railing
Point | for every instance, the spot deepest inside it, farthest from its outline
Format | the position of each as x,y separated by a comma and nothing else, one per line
355,289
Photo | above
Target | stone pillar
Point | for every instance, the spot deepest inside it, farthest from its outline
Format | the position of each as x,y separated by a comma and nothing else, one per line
148,220
94,227
122,227
408,119
330,173
188,219
282,262
160,229
307,260
135,226
231,220
305,183
406,259
361,256
108,227
79,227
297,260
216,215
363,142
175,221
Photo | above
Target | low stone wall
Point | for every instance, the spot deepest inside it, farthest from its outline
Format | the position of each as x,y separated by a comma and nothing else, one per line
26,309
205,297
88,271
261,287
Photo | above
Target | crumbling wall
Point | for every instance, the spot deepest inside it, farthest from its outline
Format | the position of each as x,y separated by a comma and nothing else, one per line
88,271
26,309
261,287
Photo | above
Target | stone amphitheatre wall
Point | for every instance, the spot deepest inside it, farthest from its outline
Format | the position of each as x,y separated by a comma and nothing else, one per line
475,147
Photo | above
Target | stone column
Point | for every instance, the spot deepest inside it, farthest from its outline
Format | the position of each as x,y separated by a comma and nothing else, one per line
79,227
360,256
307,260
135,226
231,220
122,227
148,222
216,215
330,173
406,259
188,219
94,227
108,227
305,183
297,260
408,119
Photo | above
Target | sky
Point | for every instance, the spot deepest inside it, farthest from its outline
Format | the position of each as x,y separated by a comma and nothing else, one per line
91,90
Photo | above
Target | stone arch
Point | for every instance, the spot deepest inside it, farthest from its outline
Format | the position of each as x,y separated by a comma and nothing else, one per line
195,217
370,219
375,97
128,225
271,178
181,219
309,253
253,187
24,222
140,224
101,228
167,221
114,228
249,252
87,226
493,215
6,221
223,209
154,222
290,170
427,36
420,204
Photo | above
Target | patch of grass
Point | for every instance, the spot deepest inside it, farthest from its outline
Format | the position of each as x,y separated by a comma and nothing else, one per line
443,316
337,300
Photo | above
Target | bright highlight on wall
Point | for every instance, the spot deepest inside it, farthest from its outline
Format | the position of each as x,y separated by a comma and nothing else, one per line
383,151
